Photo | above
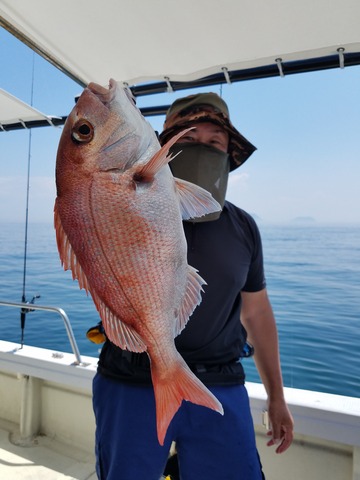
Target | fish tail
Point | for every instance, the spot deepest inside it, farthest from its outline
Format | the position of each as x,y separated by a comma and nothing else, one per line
169,394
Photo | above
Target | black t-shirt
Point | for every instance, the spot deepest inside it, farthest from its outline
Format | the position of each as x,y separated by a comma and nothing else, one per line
228,255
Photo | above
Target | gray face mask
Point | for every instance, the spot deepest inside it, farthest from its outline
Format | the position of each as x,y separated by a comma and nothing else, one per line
205,166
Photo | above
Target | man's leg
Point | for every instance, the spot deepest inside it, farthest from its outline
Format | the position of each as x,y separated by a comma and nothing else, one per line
212,446
126,440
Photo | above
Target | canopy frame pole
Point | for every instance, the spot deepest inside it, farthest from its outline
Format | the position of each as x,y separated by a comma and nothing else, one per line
226,75
280,67
341,51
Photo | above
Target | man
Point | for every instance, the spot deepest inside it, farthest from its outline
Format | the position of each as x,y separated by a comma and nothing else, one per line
235,312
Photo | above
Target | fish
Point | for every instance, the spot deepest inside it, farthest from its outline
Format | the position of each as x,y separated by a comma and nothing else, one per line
118,219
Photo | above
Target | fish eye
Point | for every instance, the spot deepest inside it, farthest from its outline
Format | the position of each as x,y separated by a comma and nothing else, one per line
82,131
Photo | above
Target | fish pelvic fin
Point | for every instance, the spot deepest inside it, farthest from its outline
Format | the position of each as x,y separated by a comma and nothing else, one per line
195,201
67,256
161,158
191,300
170,392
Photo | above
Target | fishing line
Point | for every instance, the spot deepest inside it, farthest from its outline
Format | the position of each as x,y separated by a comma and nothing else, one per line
24,311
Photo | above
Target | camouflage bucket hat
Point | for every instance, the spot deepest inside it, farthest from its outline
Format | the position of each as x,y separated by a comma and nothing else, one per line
206,107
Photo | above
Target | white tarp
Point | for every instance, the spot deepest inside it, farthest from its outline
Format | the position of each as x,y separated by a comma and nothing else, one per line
14,110
146,40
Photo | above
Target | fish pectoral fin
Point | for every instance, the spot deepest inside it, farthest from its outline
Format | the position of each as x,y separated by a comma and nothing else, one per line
194,200
161,158
191,300
118,332
67,255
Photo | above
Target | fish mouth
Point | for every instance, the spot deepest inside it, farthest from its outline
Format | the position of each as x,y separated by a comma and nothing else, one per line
105,95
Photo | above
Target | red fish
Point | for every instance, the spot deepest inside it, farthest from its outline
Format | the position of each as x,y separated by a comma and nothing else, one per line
118,221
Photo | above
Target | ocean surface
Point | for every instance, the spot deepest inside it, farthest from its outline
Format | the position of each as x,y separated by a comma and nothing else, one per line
313,277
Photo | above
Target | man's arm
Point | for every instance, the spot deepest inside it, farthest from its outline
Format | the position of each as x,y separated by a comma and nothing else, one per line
259,321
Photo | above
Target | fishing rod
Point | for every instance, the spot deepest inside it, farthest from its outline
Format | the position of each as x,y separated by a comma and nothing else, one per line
24,311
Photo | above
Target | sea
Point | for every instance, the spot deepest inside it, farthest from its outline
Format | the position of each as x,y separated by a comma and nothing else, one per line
313,280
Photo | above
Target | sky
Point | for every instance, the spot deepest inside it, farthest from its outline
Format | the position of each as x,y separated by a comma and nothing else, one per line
305,128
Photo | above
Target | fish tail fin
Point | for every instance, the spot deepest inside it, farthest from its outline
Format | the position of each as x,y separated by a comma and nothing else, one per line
169,394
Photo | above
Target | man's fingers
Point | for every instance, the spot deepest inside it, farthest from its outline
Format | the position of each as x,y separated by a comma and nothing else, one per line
284,441
284,445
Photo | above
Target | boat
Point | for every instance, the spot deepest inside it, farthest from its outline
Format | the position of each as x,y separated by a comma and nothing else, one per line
46,419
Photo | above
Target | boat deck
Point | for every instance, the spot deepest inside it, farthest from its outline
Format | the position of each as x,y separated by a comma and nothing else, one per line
42,459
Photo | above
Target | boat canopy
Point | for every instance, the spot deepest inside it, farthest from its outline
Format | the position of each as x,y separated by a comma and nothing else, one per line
17,114
181,40
155,46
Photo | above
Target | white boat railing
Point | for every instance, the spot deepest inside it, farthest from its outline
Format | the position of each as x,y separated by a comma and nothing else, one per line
28,307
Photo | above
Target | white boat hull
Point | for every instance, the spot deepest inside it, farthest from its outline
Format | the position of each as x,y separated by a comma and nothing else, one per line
46,405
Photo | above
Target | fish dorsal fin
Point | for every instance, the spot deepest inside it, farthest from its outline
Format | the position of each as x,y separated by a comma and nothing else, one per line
192,298
67,255
118,332
122,335
161,158
194,200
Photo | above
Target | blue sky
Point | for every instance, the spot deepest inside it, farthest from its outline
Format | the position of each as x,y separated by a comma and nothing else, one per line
306,129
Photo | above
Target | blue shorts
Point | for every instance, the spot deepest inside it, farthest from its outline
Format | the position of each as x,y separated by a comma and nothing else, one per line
209,446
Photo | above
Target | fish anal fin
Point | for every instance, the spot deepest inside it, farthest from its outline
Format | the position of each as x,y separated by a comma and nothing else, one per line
67,255
194,200
191,299
184,385
161,158
118,332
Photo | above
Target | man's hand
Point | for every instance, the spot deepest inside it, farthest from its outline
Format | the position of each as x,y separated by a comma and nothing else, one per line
281,426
